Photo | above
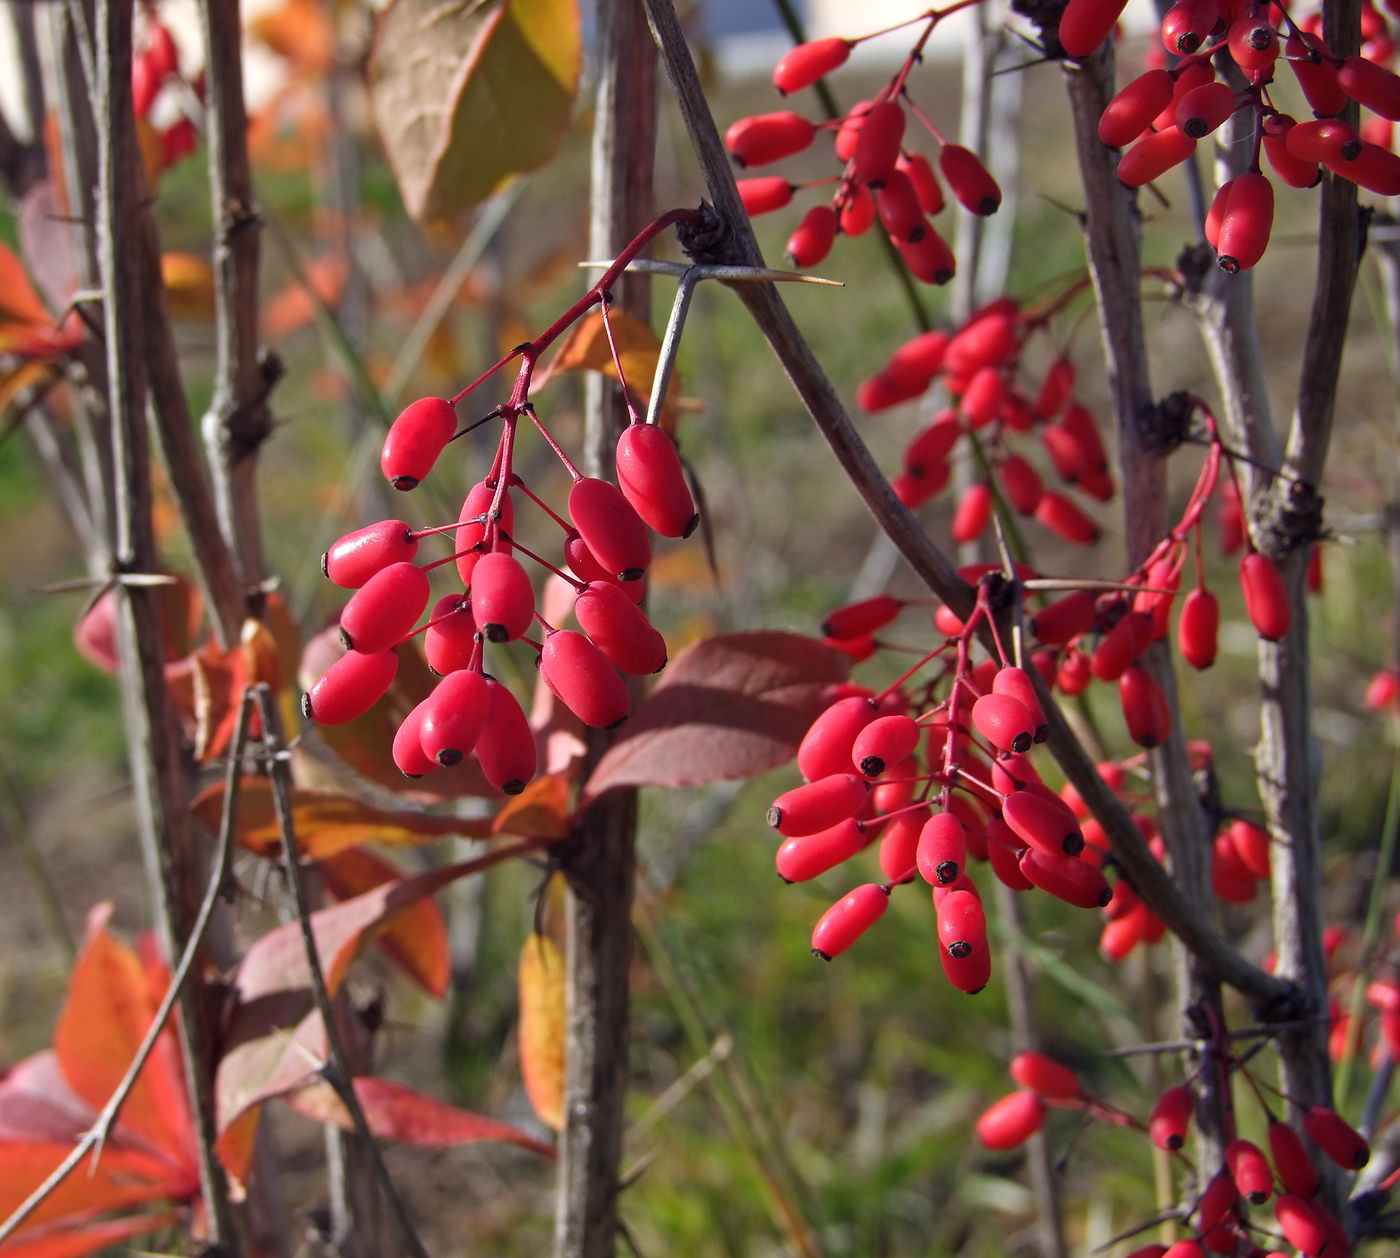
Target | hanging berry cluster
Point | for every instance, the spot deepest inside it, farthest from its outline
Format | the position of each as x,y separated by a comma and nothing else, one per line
981,366
1160,116
881,176
162,99
606,547
940,769
1218,1211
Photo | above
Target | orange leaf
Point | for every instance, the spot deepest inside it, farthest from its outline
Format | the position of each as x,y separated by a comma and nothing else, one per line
326,823
105,1016
19,303
189,285
540,811
271,1049
542,1028
85,1238
395,1112
123,1178
416,940
300,31
294,307
638,348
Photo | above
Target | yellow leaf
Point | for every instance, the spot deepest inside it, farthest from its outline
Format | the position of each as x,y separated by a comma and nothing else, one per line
189,285
14,383
542,1028
638,349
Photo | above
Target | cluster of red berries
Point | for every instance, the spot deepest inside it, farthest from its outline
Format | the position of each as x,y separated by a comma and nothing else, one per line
1162,114
881,177
606,547
1248,1178
979,364
160,96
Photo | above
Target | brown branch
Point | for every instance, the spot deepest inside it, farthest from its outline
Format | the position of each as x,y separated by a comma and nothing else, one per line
336,1069
152,731
238,421
97,1134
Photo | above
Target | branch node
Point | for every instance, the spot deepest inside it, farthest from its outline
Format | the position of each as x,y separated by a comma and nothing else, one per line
709,239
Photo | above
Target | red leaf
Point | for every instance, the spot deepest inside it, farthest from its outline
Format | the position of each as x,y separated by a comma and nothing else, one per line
263,1059
395,1112
416,940
727,707
123,1178
19,303
105,1016
85,1239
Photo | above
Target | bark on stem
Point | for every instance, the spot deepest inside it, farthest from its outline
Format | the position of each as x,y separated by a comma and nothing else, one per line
238,420
152,732
934,568
599,860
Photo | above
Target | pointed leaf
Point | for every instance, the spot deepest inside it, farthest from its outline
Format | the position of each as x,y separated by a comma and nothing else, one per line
416,940
19,303
274,1047
123,1178
638,348
542,1028
728,707
86,1238
395,1112
326,823
540,811
468,95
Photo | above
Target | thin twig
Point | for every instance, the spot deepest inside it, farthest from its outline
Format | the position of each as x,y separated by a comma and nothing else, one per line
95,1136
335,1070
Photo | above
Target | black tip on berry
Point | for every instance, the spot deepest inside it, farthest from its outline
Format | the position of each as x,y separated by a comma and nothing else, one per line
947,872
1258,1198
989,205
660,666
326,563
1042,732
1195,127
775,816
620,722
496,633
960,950
1351,150
1360,1159
306,707
1260,38
404,483
1187,44
1173,1143
513,787
1104,897
786,880
820,955
1230,265
345,640
872,766
1021,743
1074,843
449,756
980,989
407,774
943,275
631,574
695,519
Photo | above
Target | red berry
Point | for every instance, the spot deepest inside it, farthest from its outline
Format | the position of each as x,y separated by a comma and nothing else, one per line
866,616
1014,1119
849,130
962,924
1067,878
1046,824
450,640
503,600
1292,170
810,855
1119,647
1230,881
1252,846
383,611
1153,155
848,919
1131,112
1204,108
610,527
764,194
415,439
808,62
1217,1201
1371,85
1171,1118
982,399
1303,1230
857,211
1325,140
620,629
986,341
1383,691
1085,24
1145,709
930,258
1253,44
1318,79
885,741
1187,25
942,850
900,843
1018,684
1295,1168
1245,223
1056,389
506,747
1064,619
1004,721
974,513
350,687
1376,169
826,747
145,85
161,54
1021,483
1063,518
357,556
582,679
881,392
1265,596
1250,1170
1336,1138
818,805
926,185
815,234
897,204
1074,674
408,753
453,717
970,181
471,531
1198,628
768,137
931,446
877,144
1044,1076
